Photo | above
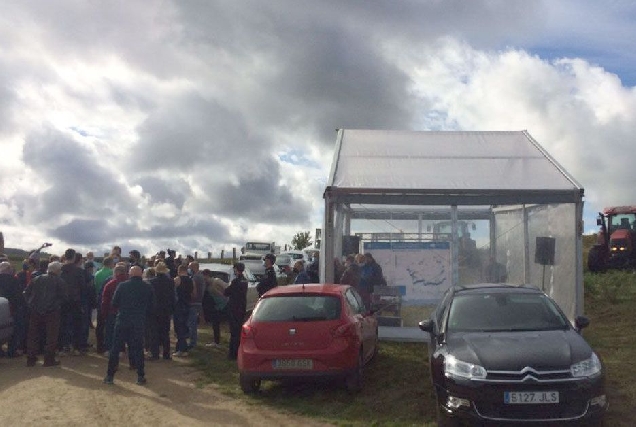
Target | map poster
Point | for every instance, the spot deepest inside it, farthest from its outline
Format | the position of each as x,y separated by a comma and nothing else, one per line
421,270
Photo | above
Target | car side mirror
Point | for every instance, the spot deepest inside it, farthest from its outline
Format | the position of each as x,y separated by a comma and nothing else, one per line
581,322
427,326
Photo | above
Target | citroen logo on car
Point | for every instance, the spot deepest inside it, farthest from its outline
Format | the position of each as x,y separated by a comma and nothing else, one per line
292,331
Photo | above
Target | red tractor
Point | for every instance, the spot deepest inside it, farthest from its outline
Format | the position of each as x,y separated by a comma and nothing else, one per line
614,246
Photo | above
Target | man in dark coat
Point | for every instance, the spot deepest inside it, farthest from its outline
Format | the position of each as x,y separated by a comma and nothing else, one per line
134,300
237,303
163,286
269,279
71,328
44,298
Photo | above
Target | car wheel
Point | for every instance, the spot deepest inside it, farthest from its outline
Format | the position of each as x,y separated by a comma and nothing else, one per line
249,385
354,379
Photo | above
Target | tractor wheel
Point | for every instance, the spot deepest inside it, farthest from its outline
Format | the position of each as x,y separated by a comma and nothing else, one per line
595,260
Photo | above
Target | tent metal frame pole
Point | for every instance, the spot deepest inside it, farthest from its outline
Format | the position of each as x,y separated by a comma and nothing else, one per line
454,246
526,246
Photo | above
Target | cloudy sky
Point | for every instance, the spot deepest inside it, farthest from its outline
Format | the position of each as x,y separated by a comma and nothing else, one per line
196,125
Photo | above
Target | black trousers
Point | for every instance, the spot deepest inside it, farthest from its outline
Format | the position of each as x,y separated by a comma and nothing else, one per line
235,322
131,332
159,331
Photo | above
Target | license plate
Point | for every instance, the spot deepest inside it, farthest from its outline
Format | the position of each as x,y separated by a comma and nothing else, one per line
531,397
293,364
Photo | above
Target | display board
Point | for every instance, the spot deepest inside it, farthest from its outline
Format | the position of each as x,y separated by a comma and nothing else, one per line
421,270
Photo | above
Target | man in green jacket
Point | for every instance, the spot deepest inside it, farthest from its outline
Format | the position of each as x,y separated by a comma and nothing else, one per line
102,276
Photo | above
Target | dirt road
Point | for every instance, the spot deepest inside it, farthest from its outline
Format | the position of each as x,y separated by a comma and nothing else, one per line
73,394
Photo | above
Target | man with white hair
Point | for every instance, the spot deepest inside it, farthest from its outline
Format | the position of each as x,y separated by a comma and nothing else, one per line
44,298
134,300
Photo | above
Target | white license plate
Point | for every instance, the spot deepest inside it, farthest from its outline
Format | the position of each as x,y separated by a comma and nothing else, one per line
531,397
293,364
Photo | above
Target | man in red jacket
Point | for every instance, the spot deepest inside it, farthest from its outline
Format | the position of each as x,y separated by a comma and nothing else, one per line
108,312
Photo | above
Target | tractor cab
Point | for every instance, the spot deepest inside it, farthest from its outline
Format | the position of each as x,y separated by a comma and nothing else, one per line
615,242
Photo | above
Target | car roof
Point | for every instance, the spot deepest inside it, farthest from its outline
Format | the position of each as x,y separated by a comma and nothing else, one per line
216,266
480,288
313,288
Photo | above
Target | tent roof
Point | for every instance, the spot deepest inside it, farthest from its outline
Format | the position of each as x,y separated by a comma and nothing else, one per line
383,167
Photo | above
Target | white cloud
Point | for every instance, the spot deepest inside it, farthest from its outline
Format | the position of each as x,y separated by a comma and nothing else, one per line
200,125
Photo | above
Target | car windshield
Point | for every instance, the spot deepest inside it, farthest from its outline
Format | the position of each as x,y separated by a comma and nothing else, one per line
288,308
494,312
283,260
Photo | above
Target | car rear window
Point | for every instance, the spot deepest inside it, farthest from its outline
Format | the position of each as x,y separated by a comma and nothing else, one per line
288,308
504,312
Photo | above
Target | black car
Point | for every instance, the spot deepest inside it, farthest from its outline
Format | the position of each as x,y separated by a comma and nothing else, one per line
506,354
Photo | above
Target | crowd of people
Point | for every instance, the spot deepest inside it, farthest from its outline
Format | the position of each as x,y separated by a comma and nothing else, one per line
52,303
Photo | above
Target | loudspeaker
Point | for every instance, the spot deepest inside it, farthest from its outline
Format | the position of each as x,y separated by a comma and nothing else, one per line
350,245
544,252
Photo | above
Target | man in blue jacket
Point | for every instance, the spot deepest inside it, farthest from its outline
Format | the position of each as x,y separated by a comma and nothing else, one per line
134,299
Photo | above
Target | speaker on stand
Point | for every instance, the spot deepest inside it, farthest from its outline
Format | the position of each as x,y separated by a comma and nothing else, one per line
544,254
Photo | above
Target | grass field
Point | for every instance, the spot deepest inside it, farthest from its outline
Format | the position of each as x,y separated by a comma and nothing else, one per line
398,391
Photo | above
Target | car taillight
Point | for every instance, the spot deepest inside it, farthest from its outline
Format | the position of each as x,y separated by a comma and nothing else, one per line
248,331
346,330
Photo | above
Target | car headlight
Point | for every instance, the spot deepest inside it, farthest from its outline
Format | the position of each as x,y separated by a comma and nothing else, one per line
586,368
459,369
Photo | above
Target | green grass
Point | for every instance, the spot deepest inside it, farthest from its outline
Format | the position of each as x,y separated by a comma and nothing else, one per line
398,392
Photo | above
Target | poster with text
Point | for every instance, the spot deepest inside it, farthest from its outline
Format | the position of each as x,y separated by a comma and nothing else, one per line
421,270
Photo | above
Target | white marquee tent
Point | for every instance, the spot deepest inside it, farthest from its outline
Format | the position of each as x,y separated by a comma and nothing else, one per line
527,207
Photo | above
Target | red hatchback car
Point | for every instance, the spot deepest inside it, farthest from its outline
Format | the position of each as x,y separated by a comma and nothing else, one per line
307,331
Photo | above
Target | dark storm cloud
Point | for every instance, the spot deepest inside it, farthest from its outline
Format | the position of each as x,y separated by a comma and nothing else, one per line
205,230
174,191
190,131
259,197
322,65
85,232
77,182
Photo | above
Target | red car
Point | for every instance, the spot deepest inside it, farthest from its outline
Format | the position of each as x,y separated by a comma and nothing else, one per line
307,331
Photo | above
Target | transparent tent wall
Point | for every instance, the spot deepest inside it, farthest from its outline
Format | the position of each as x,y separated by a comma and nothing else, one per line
554,221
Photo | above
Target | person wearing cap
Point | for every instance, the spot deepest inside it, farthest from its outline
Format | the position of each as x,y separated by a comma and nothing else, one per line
237,304
196,303
183,289
134,300
44,298
159,326
269,278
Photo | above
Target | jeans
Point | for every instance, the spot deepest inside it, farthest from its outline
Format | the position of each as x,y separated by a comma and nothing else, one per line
181,327
71,327
130,331
160,334
235,322
193,323
109,329
17,340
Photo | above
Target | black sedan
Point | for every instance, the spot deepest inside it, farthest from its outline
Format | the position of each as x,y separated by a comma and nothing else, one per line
507,354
